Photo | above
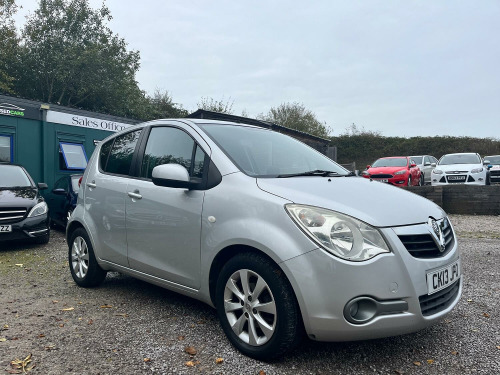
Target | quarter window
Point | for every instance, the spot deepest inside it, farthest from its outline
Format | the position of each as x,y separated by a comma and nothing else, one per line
172,146
5,149
72,156
120,156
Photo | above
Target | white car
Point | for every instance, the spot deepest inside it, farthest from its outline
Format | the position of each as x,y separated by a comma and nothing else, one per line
493,164
460,168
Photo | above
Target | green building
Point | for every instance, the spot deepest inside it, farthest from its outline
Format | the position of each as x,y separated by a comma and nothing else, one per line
51,141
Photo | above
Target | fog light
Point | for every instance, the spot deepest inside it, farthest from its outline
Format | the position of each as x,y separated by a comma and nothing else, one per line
361,310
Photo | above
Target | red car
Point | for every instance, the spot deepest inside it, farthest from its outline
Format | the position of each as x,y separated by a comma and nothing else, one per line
396,170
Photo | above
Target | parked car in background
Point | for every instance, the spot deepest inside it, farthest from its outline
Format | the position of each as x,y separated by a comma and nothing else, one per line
494,171
460,168
23,211
276,236
62,198
424,163
395,170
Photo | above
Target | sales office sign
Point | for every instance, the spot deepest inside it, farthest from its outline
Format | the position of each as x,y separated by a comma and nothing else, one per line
85,122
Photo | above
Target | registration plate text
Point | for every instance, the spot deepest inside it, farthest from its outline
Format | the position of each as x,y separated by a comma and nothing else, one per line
5,228
443,277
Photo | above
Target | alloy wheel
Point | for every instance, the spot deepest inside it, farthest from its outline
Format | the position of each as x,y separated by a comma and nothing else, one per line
250,307
80,257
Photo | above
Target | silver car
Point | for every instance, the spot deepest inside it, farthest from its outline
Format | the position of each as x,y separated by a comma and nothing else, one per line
277,237
424,162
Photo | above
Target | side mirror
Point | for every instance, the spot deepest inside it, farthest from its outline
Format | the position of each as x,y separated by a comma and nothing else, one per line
489,166
171,175
433,165
368,166
59,191
413,165
427,164
42,186
486,162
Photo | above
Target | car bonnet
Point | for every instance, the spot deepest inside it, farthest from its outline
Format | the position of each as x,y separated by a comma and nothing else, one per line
373,202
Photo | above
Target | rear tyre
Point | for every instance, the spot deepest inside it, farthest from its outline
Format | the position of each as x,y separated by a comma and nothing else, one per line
83,265
257,308
421,181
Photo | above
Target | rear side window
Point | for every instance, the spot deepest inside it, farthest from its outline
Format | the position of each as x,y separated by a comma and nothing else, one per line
172,146
120,155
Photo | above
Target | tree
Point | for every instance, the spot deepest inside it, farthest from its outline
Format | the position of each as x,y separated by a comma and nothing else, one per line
160,105
221,106
8,45
296,116
71,57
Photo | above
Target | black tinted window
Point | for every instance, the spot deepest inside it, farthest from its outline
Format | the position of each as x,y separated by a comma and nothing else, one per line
103,155
170,146
120,157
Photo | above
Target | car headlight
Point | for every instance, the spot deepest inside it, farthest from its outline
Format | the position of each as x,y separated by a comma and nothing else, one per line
341,235
477,170
437,171
401,172
39,209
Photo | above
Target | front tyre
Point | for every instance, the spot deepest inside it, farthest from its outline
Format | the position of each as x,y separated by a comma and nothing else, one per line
257,308
83,265
409,181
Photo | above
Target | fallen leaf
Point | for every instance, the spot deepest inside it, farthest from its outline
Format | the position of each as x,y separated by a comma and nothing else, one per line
3,339
417,363
486,315
106,307
180,338
189,364
91,322
50,347
55,301
124,315
41,335
398,372
190,350
454,352
430,361
219,360
469,300
61,325
5,327
68,309
19,264
147,359
21,364
498,347
262,372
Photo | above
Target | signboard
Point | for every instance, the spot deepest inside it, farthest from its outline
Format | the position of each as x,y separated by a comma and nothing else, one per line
9,109
85,122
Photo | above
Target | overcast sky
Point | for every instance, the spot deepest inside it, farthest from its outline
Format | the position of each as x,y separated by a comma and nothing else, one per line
404,68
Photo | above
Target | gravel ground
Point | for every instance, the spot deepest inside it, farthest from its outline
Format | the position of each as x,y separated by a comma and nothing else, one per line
130,327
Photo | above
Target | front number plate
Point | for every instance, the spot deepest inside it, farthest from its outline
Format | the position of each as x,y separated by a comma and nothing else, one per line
443,277
5,228
382,180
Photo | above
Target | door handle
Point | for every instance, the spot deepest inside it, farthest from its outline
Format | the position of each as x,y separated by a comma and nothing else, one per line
91,184
134,195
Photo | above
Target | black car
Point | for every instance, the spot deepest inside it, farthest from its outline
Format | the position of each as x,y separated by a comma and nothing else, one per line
23,211
62,198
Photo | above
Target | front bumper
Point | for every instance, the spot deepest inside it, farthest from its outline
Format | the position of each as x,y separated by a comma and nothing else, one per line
399,180
324,285
469,179
28,228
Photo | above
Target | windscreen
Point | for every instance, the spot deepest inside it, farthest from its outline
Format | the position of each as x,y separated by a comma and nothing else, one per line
264,153
13,176
460,159
416,159
390,162
493,159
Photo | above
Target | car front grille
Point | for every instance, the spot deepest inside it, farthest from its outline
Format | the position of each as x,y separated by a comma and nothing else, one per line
495,173
375,176
11,214
423,246
439,301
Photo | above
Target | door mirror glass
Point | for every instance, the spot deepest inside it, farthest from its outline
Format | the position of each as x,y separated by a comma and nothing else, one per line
433,165
171,175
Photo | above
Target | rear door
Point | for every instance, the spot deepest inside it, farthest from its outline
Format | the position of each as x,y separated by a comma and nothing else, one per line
105,196
163,223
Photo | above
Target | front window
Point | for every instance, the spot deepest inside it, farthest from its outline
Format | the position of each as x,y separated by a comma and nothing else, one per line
390,162
460,159
264,153
417,159
13,176
493,159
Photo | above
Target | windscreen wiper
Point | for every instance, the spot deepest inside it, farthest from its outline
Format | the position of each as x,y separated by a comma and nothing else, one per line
316,172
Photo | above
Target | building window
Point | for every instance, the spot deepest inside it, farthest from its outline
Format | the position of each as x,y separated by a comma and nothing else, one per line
6,149
72,156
